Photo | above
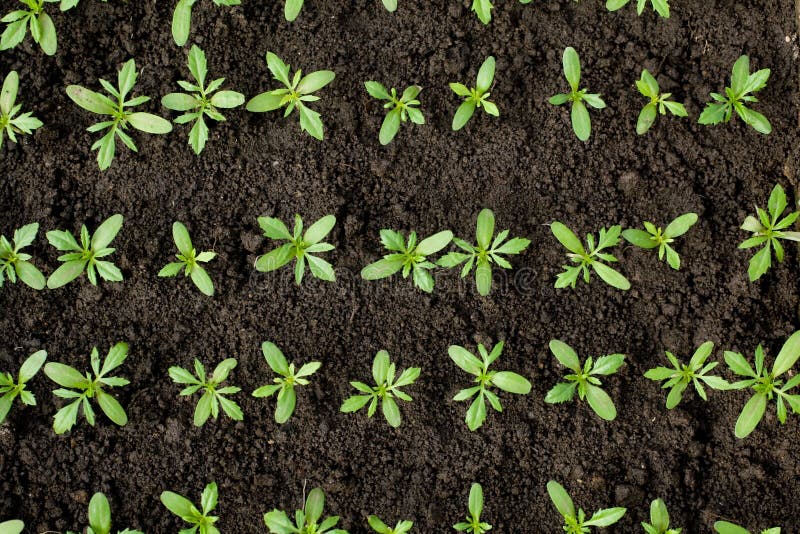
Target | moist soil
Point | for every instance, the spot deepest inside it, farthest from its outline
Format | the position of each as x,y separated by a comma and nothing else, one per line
527,166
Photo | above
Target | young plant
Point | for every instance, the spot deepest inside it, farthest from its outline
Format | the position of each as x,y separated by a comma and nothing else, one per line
284,387
14,264
485,379
188,259
182,18
99,516
201,521
402,527
576,522
200,101
306,520
485,253
119,118
10,124
475,97
654,237
579,98
10,390
742,84
300,247
681,375
723,527
384,391
85,256
213,396
584,379
483,8
41,25
82,388
659,6
473,523
593,258
15,526
409,256
659,102
766,384
767,231
400,109
659,520
297,92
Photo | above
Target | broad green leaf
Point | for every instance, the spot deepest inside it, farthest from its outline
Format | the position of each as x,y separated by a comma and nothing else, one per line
465,360
485,75
106,232
377,90
149,123
315,504
611,277
30,275
485,228
177,504
476,414
434,243
391,412
99,514
179,102
561,499
751,415
317,231
90,101
646,118
561,392
227,99
724,527
292,9
264,102
310,122
475,505
463,114
112,408
607,365
601,403
788,355
315,81
202,281
8,94
640,238
581,123
31,366
511,382
566,237
182,21
389,127
565,354
604,518
65,376
680,225
275,358
275,259
572,67
286,405
48,40
382,268
15,526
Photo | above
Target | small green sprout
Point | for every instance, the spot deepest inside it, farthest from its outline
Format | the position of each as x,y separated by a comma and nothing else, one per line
681,375
483,8
376,524
213,396
659,103
182,507
655,237
659,520
386,388
584,379
10,390
409,256
41,25
284,387
742,84
593,258
66,5
306,520
296,94
10,124
485,379
84,256
659,6
120,118
15,526
486,252
473,523
188,259
767,230
723,527
400,109
576,523
299,247
475,97
88,388
581,123
14,264
201,102
182,18
99,516
766,384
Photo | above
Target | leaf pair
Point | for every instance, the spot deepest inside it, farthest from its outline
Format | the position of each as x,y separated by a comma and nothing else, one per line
10,390
659,6
408,256
654,237
11,123
182,18
213,396
473,523
85,256
200,518
284,387
743,83
476,97
34,17
14,264
678,378
306,520
99,515
575,522
579,98
376,524
659,102
593,257
299,247
400,109
189,260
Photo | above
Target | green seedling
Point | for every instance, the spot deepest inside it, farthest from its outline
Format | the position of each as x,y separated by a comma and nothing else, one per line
182,507
307,520
189,261
33,16
10,390
584,379
659,6
300,247
408,256
15,526
201,101
120,119
66,5
85,256
659,102
284,385
483,8
14,264
767,232
593,258
723,527
376,524
485,379
681,375
400,109
736,96
576,522
182,18
83,388
486,252
473,523
654,237
579,98
767,385
659,520
10,123
476,97
99,516
213,396
296,94
384,391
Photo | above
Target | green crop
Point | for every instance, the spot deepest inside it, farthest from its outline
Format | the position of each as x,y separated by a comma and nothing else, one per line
14,264
576,522
408,256
723,527
182,18
120,117
15,526
768,385
376,524
297,92
681,375
213,396
83,388
742,84
400,109
659,520
584,379
473,523
767,231
485,379
307,520
188,259
66,5
41,25
483,8
476,97
182,507
654,237
99,516
384,391
284,386
10,124
659,6
10,390
85,256
579,98
486,252
300,247
659,102
593,258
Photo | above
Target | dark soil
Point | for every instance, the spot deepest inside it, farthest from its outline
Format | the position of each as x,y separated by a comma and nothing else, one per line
527,166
